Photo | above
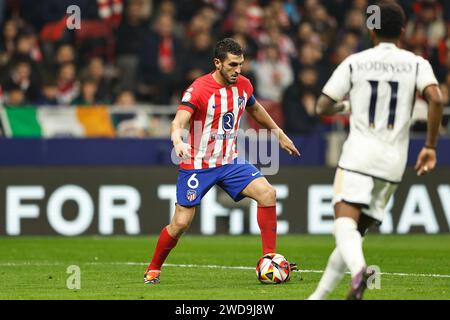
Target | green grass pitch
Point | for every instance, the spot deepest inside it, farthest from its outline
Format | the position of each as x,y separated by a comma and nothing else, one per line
413,267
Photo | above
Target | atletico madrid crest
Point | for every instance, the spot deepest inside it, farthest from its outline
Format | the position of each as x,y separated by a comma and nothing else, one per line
191,195
241,101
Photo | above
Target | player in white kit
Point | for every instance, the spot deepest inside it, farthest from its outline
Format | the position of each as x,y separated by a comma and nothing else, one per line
381,85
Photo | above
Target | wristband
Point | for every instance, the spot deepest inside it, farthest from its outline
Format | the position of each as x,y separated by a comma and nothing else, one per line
429,147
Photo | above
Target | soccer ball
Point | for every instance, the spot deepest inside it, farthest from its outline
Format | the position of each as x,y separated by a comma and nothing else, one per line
273,268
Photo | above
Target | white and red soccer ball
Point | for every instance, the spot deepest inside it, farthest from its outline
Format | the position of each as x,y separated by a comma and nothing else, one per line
273,268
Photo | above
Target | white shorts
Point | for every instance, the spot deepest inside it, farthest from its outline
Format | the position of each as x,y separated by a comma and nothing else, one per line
370,193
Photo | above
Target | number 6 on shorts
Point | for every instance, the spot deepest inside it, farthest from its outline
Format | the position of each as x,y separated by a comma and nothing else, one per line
193,182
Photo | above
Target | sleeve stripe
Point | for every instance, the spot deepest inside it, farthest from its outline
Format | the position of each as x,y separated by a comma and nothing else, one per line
190,105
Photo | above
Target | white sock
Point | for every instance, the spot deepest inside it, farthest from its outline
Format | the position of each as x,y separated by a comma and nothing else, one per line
349,244
331,277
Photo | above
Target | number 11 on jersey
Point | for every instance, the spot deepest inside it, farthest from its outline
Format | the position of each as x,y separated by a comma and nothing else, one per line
373,102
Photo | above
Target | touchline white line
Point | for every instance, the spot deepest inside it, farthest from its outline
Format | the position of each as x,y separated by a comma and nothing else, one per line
207,266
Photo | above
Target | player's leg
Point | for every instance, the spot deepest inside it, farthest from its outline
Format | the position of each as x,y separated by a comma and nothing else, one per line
355,188
381,192
359,283
333,274
336,266
192,185
242,179
352,193
265,195
168,239
348,238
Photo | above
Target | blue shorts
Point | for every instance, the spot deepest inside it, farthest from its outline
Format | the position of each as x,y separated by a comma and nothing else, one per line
192,185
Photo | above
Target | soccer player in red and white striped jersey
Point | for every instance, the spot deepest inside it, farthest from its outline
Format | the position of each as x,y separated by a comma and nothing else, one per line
213,106
215,112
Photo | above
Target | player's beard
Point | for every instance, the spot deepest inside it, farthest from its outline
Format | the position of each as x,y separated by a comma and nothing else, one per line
228,78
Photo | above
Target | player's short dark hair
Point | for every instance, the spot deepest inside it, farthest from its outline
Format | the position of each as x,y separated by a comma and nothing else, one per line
392,20
227,45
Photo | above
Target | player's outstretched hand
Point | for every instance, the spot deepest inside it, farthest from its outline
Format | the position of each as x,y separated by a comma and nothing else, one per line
426,161
287,144
183,150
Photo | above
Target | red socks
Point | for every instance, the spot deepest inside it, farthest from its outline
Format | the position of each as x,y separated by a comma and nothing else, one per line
165,244
267,222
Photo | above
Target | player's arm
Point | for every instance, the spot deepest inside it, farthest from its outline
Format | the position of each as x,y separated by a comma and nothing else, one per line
331,101
426,161
257,112
326,106
177,128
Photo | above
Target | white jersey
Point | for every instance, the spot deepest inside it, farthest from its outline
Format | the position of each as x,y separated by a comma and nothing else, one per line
381,83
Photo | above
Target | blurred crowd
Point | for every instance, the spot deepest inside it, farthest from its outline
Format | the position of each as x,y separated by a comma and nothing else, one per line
130,52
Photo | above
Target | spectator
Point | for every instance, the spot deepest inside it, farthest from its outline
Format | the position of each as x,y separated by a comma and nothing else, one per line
441,60
323,23
198,24
211,17
239,32
49,93
247,69
7,41
198,61
128,48
308,79
252,12
25,44
355,23
298,110
21,77
160,76
446,101
153,61
65,53
426,27
305,33
130,122
68,86
285,13
96,71
442,70
273,35
56,55
15,97
125,98
272,75
167,7
309,56
88,93
35,52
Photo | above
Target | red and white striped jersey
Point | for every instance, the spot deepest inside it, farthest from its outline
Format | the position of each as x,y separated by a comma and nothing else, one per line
216,113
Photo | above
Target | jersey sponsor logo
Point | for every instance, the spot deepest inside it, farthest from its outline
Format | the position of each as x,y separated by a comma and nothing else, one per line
228,121
223,136
191,195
